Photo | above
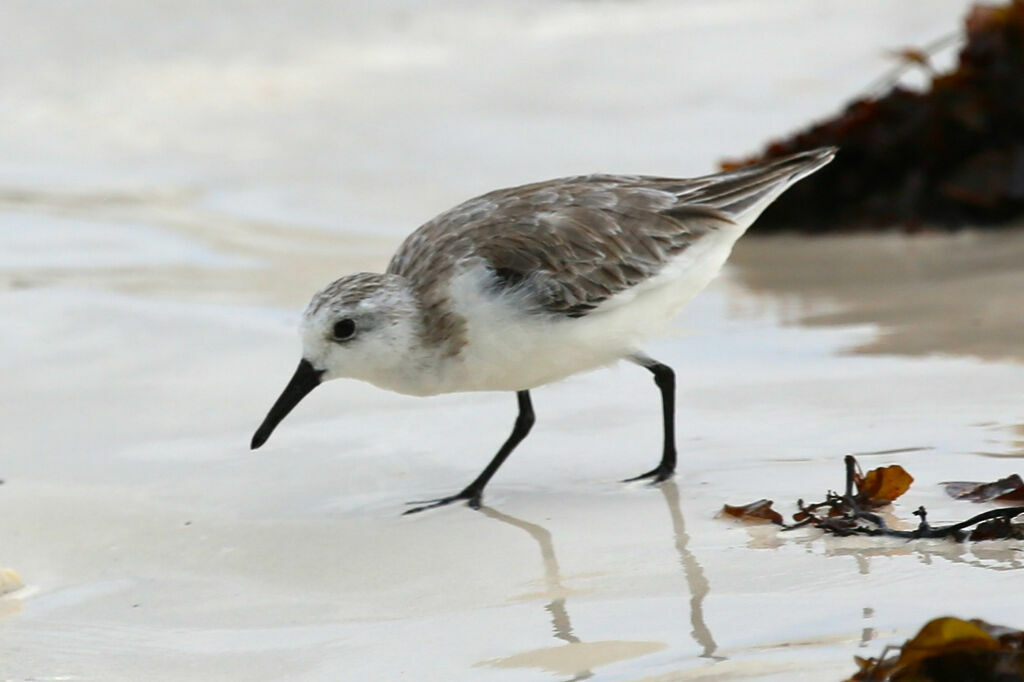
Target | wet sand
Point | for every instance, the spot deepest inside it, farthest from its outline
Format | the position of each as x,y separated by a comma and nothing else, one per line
932,293
149,296
154,545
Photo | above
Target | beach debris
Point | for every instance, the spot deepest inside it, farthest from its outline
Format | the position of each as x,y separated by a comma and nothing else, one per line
950,650
881,486
947,156
1009,489
852,511
758,512
9,581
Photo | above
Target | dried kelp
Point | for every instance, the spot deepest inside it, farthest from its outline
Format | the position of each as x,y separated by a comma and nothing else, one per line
755,511
949,156
950,650
1009,489
851,512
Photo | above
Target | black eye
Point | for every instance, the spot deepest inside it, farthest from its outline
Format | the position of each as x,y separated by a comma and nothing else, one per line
344,329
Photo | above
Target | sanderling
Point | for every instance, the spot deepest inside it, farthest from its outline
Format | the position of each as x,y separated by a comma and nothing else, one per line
524,286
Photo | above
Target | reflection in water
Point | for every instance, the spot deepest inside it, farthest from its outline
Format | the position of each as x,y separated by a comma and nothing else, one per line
552,575
554,588
868,633
994,555
578,658
923,291
695,579
575,657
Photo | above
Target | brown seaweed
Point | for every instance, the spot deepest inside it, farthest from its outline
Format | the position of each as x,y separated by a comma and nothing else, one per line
949,156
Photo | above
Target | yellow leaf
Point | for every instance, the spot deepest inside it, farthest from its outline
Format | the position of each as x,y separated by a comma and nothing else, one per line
883,485
945,635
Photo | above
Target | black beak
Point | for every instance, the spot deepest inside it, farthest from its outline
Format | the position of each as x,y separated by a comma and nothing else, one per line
305,380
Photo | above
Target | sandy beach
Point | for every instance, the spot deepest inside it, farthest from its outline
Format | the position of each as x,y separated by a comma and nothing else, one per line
177,180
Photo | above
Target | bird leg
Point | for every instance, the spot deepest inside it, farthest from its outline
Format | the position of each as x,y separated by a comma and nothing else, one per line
665,379
473,492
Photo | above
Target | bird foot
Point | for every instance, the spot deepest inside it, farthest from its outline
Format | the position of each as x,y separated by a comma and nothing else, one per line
472,498
657,474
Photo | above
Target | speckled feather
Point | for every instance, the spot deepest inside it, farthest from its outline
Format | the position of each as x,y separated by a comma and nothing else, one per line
567,245
346,291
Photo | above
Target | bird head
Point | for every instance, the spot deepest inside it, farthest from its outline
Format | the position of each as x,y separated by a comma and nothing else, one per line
363,326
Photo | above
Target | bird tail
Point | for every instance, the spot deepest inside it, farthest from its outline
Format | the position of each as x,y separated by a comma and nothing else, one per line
742,194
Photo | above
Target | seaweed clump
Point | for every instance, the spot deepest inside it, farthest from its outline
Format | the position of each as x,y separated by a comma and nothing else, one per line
950,650
950,156
852,512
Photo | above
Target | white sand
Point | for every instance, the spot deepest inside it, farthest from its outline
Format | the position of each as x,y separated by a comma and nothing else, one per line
239,159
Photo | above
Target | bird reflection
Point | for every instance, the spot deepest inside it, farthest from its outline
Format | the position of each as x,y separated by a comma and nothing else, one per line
552,579
696,581
868,633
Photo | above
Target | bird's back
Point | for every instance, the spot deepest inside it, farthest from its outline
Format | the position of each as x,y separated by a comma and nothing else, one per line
567,245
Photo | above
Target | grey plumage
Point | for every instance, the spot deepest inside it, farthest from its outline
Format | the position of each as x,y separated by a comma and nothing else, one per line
528,285
569,244
347,291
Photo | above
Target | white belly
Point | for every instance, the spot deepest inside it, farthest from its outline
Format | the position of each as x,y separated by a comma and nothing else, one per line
509,350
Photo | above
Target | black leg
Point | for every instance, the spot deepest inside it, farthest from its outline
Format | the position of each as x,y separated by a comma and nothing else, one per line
473,492
665,379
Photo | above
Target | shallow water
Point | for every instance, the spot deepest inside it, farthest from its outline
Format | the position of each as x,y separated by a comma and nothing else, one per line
194,186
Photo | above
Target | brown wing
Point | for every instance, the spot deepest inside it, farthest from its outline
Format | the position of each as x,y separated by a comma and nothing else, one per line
564,245
591,245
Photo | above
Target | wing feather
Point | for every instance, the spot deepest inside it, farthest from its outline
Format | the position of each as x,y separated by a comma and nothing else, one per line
565,246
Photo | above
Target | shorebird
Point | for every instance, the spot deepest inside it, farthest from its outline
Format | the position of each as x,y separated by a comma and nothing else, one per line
527,285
